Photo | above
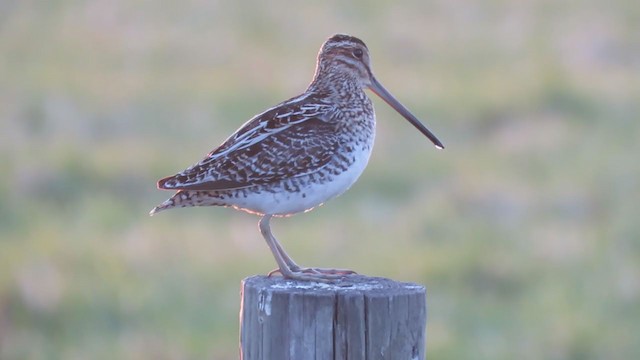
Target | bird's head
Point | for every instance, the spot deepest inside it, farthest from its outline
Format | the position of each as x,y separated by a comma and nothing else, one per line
345,59
343,55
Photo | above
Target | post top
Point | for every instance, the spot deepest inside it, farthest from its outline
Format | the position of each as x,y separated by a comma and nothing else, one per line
351,284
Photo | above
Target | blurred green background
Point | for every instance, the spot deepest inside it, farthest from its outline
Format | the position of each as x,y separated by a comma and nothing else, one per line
525,230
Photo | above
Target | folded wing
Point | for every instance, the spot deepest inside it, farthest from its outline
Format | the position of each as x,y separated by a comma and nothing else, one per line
274,146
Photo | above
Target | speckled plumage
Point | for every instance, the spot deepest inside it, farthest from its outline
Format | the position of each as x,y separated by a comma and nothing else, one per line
298,154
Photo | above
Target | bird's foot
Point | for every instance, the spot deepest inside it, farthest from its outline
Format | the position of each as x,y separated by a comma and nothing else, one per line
313,274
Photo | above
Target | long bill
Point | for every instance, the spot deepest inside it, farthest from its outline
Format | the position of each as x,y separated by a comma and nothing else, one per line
379,90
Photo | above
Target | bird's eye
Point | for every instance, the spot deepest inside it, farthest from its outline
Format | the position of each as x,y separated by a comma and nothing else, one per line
357,53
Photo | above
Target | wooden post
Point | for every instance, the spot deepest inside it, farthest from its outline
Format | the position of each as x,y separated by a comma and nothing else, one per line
357,318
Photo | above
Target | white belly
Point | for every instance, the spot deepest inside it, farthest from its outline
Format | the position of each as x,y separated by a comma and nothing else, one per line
283,202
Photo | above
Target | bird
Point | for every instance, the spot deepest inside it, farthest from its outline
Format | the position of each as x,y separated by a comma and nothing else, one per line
298,154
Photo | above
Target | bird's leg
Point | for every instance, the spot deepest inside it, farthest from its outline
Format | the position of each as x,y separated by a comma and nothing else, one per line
287,259
265,229
296,268
332,273
288,268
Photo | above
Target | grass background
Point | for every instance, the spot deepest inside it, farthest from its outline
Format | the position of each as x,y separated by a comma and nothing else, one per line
525,229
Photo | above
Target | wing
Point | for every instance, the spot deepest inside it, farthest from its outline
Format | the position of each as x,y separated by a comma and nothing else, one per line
289,140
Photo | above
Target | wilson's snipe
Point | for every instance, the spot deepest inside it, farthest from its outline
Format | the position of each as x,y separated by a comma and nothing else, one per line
298,154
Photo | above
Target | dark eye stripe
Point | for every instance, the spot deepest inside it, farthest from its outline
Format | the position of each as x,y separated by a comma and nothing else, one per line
349,62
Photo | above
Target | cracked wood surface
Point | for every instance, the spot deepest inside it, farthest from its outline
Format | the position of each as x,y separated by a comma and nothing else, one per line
356,318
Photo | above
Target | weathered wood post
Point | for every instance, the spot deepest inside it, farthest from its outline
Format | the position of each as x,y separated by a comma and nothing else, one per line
357,318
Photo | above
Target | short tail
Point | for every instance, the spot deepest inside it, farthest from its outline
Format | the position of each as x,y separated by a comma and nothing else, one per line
179,199
186,198
168,204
